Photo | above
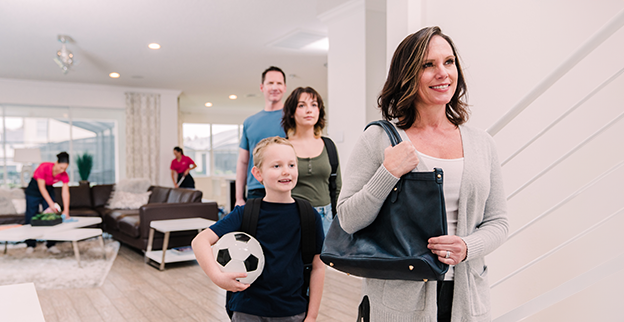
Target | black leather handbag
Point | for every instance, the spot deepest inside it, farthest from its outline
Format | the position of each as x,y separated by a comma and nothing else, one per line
394,245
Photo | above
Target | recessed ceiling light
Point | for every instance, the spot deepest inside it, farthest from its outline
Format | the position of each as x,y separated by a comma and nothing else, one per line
114,75
153,46
319,45
208,104
233,97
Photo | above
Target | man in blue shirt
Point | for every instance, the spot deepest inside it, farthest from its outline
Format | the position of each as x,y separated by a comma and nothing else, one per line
264,124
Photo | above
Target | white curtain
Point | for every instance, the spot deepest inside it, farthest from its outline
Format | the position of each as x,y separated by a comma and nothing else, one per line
143,136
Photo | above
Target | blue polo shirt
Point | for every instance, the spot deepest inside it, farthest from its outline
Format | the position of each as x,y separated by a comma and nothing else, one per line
278,290
255,128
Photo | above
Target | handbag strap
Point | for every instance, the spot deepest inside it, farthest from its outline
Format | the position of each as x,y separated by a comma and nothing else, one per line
390,130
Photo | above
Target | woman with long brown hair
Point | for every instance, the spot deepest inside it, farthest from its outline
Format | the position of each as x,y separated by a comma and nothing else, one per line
303,122
424,97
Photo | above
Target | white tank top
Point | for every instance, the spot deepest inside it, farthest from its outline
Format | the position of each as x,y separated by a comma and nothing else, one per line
453,169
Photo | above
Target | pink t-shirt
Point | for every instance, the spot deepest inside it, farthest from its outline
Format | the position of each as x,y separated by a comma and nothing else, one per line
181,166
44,171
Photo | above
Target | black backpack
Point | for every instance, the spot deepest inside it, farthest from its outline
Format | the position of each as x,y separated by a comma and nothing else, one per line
308,237
333,161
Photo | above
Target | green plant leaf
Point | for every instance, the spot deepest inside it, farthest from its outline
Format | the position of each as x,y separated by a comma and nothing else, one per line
84,163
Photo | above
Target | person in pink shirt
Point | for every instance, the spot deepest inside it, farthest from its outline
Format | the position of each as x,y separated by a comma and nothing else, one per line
181,167
41,192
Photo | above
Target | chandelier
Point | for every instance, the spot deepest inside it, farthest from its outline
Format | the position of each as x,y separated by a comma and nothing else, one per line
64,58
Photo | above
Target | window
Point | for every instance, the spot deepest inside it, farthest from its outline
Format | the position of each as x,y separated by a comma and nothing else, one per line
97,138
213,147
42,128
56,129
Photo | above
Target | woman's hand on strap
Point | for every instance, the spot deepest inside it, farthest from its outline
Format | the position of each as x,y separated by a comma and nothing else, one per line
451,250
400,159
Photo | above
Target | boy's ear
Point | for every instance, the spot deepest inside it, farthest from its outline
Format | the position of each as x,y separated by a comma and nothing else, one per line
256,173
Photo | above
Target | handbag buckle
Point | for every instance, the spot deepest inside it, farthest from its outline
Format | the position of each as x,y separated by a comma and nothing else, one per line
394,194
439,175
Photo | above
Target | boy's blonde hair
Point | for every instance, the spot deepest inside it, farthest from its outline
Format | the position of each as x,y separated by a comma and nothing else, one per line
258,152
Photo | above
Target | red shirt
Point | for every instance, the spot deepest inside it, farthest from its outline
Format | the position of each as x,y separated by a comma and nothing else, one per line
181,166
44,171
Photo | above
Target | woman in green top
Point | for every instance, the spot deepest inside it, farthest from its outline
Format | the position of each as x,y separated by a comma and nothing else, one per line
303,122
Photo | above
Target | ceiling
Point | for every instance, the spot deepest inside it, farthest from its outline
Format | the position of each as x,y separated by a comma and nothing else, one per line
210,49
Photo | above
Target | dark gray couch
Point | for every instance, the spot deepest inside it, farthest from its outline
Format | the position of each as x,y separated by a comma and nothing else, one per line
131,226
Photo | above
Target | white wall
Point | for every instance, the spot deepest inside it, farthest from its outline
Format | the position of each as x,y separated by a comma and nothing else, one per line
78,96
356,31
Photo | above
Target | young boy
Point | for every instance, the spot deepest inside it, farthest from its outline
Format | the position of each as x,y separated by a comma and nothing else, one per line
277,293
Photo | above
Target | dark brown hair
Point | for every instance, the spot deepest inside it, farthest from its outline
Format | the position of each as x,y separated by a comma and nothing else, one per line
290,107
62,157
400,92
273,69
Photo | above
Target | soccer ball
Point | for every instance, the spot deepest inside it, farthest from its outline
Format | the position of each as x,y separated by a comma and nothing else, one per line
239,252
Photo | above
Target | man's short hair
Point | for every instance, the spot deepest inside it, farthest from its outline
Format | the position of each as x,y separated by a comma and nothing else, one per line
273,69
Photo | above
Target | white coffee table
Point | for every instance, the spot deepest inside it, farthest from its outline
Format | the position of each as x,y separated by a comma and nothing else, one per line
166,227
76,235
25,232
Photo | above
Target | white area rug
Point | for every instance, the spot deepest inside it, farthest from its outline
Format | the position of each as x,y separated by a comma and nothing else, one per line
60,271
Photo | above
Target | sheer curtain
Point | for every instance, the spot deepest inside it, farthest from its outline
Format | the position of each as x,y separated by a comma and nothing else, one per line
143,136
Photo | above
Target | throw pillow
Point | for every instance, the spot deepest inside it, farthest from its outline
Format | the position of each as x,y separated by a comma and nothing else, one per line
138,185
6,205
19,205
129,200
16,193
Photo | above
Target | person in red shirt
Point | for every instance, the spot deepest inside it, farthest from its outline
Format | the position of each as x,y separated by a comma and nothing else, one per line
41,192
181,167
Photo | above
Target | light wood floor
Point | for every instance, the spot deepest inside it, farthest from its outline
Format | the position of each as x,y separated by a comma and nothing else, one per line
134,291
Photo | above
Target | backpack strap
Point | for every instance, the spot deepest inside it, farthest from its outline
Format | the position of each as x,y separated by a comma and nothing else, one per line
250,216
308,240
333,162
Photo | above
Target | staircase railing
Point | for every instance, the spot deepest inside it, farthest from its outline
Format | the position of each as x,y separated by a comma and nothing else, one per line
587,279
554,250
564,291
567,155
564,115
592,43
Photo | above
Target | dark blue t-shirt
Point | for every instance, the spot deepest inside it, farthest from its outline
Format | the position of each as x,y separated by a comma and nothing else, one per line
277,291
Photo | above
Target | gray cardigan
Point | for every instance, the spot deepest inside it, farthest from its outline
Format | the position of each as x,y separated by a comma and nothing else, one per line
482,224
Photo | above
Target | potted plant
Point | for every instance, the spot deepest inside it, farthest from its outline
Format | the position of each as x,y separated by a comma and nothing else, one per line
85,164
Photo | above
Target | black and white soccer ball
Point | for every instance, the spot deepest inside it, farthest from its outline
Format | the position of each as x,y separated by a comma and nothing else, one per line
239,252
